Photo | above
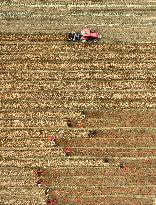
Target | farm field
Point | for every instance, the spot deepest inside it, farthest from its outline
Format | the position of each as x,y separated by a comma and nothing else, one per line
106,90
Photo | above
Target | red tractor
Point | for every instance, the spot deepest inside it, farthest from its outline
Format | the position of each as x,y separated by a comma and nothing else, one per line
84,36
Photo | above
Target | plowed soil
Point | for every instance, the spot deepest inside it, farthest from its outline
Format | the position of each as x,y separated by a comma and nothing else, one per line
109,87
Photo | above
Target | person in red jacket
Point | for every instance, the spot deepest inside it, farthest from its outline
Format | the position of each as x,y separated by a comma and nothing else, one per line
123,167
51,201
52,139
67,151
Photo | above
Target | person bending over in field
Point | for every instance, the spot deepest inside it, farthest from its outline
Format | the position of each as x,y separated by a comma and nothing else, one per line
106,162
52,140
123,167
47,191
39,172
69,123
51,201
67,151
39,182
92,133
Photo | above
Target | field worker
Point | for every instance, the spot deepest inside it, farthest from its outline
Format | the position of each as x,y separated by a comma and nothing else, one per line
92,133
69,123
47,190
83,115
39,182
106,162
51,201
52,140
123,167
39,172
67,151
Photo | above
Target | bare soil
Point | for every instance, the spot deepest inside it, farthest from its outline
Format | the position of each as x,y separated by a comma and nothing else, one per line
108,87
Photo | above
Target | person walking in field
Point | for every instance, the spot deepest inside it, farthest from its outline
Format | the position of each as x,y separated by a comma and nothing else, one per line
52,140
67,151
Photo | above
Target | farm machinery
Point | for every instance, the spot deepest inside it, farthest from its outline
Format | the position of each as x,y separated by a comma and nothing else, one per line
85,35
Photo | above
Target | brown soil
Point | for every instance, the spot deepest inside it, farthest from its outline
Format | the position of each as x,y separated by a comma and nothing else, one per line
108,87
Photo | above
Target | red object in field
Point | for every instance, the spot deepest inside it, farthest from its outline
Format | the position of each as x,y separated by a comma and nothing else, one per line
67,150
52,138
51,201
87,34
77,200
125,169
39,182
85,31
39,172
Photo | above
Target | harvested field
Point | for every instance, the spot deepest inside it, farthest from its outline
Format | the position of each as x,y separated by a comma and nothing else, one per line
97,99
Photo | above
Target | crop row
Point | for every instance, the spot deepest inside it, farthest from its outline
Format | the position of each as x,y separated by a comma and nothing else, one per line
79,181
53,46
42,142
79,85
74,162
78,97
75,56
85,153
57,172
42,134
92,66
77,75
87,115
